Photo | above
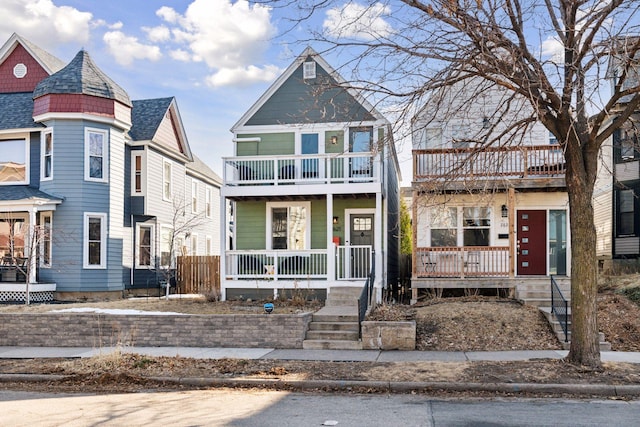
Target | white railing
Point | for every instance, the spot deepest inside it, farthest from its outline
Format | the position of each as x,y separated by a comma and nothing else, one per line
276,265
353,262
301,169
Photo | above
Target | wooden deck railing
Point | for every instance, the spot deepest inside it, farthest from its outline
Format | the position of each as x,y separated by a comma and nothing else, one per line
488,162
469,261
198,274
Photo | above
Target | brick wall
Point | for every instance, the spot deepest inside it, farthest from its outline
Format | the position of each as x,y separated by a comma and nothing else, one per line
103,330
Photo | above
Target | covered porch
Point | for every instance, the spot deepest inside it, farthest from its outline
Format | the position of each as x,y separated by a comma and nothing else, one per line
26,219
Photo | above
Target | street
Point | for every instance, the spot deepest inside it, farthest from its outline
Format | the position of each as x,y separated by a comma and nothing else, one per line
231,407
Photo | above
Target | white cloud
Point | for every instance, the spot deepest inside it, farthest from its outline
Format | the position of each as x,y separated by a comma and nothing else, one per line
157,34
126,49
353,20
116,26
228,37
553,48
44,23
243,76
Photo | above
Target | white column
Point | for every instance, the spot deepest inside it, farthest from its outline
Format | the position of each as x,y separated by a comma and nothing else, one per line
223,246
33,250
380,257
331,248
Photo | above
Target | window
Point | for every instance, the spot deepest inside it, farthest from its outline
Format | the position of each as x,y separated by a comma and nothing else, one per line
459,136
95,155
628,144
444,223
166,181
288,225
144,256
45,239
95,240
431,138
626,214
209,247
309,70
194,196
137,174
476,224
47,155
194,244
12,237
207,202
14,167
166,243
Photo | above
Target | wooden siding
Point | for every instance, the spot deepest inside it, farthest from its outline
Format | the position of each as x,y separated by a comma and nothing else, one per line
303,101
167,134
250,225
271,144
318,224
627,246
603,219
628,171
117,232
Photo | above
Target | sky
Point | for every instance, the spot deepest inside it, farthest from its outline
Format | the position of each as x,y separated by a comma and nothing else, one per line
215,56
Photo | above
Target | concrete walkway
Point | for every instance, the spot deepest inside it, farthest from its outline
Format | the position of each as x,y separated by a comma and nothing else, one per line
295,354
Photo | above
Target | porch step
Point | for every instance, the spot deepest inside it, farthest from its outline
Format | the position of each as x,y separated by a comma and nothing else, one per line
333,326
557,329
336,335
331,345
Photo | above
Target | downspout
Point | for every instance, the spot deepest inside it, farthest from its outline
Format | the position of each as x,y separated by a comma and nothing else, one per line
133,252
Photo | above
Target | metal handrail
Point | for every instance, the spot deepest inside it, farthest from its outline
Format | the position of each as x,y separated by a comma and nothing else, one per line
365,295
560,308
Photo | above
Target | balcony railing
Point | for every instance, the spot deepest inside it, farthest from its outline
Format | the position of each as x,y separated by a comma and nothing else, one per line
468,261
352,262
301,169
489,162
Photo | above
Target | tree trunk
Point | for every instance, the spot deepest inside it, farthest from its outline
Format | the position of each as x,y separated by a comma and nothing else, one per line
585,349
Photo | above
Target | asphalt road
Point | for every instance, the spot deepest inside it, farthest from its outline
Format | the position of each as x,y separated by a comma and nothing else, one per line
277,408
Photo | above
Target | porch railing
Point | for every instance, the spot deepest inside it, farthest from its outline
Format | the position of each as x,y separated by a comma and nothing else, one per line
467,261
365,295
299,169
521,161
275,265
353,262
560,308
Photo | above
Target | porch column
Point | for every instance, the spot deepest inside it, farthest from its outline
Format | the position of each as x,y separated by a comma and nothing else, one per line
223,246
331,248
33,246
511,208
379,248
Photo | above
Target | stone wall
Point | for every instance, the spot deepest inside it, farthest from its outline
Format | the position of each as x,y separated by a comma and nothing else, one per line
104,330
388,335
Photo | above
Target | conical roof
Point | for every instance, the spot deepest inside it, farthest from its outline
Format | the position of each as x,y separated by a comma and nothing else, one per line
82,76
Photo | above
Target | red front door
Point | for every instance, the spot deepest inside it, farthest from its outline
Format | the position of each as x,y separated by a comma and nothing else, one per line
532,243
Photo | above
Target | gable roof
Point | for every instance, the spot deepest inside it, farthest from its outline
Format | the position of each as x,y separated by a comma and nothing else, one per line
49,62
17,111
82,76
201,170
147,116
327,99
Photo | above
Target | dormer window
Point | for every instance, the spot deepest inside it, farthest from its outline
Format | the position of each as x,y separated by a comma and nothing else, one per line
309,70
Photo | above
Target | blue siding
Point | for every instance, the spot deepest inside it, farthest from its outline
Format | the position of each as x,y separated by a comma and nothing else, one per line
318,100
34,159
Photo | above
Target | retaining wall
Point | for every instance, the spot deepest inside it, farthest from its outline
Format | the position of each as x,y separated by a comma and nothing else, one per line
104,330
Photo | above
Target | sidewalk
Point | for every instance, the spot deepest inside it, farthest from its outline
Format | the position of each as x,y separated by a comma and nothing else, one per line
319,355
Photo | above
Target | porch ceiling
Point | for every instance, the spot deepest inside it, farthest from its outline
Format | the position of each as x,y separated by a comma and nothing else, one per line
293,197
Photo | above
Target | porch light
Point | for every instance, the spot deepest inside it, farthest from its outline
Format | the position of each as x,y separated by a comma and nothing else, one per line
504,211
334,141
335,219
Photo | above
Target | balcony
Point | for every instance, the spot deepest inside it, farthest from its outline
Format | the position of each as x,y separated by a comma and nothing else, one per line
321,169
491,163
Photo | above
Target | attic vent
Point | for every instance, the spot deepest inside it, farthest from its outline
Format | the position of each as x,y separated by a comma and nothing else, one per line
309,70
20,70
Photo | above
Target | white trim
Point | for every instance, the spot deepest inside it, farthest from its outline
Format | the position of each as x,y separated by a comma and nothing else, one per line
105,154
43,138
43,262
165,197
208,201
143,172
269,231
83,116
103,241
194,196
172,253
27,160
208,245
151,228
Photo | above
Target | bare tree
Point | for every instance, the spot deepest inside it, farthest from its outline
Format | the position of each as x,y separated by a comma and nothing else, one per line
409,49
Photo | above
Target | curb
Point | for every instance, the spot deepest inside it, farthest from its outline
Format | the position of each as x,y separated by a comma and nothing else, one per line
608,390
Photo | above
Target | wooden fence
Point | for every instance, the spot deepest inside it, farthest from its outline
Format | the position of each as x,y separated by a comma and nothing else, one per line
198,275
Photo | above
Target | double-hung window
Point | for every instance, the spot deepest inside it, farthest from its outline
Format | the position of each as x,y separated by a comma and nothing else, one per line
138,184
166,181
95,155
626,213
194,196
207,208
166,246
476,226
95,240
14,161
288,225
444,223
45,230
194,244
144,254
46,150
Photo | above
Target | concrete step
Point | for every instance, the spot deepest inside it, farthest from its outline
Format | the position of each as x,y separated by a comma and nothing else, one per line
333,326
340,291
341,301
331,345
536,302
557,329
334,318
333,335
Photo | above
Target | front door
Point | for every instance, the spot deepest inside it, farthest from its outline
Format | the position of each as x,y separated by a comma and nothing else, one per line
361,242
532,242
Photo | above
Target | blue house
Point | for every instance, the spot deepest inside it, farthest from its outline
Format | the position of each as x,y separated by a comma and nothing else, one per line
98,193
